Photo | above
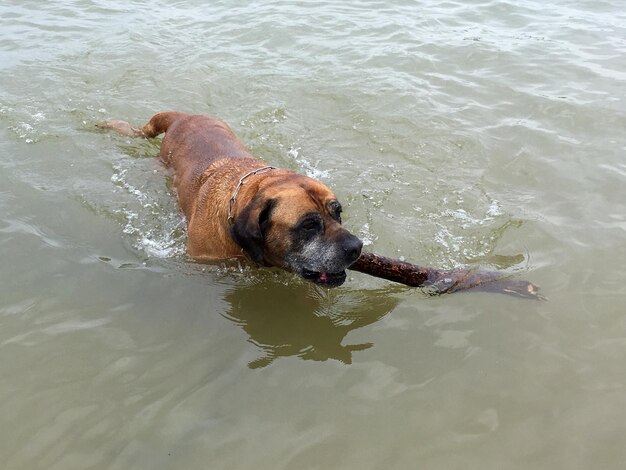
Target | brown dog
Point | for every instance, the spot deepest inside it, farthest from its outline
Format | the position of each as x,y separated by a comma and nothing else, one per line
239,207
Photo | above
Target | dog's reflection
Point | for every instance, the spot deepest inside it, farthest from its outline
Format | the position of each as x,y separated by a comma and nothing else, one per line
295,318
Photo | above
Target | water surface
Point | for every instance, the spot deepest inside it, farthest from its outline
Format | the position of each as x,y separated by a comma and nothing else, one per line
481,133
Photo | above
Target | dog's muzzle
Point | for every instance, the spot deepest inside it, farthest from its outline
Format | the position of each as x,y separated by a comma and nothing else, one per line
350,250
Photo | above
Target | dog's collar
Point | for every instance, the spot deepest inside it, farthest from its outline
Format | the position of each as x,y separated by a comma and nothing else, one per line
233,199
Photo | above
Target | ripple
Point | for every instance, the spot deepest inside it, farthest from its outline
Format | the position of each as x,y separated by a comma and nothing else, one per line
454,132
152,220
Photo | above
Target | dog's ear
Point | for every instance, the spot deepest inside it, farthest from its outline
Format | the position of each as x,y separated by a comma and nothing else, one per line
251,225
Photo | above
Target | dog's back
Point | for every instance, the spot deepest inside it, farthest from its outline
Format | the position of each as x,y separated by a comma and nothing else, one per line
199,139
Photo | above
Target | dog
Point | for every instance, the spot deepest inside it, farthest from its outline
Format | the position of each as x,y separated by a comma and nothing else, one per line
239,207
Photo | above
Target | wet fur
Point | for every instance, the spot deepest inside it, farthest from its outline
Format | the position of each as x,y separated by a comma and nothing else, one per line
208,161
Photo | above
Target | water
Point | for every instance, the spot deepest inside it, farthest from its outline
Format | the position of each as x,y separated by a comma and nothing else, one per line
478,133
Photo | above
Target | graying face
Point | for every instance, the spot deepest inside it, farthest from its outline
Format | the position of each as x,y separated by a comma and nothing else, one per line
295,224
321,249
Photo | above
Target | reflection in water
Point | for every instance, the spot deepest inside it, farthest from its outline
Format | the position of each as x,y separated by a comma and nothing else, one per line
301,319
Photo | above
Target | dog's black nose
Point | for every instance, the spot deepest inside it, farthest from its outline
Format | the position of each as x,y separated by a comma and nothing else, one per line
352,248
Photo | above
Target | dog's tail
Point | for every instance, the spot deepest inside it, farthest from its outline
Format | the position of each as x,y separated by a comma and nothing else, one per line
157,125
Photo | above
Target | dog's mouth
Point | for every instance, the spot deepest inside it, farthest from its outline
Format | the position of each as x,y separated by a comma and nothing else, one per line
324,279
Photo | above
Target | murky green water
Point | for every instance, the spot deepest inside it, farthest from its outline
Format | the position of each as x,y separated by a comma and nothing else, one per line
487,133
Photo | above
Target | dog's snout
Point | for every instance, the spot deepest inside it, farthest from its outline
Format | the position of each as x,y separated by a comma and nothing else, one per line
352,247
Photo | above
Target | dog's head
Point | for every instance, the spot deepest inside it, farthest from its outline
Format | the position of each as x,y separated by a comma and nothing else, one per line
294,222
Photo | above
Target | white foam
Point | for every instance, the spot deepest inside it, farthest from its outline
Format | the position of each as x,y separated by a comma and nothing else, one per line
155,228
309,169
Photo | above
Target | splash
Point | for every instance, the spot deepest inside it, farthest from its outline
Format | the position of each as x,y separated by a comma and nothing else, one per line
150,216
471,234
309,168
27,127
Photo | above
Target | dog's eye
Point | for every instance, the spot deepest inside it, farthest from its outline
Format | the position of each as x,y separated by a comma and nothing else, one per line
335,210
311,225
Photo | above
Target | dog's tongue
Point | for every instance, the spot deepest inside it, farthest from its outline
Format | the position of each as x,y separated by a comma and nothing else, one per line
323,277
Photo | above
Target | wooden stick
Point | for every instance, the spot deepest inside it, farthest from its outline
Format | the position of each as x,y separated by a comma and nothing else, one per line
443,281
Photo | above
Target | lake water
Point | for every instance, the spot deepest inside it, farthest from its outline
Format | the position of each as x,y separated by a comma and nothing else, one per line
482,133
